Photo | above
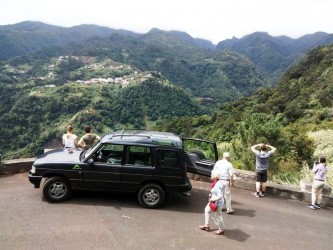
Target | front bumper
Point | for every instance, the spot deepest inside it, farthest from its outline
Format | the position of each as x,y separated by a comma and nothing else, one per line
35,180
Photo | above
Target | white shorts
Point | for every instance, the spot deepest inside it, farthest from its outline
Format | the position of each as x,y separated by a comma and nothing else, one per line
318,184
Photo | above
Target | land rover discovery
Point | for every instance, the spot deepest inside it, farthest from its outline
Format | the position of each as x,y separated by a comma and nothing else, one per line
149,163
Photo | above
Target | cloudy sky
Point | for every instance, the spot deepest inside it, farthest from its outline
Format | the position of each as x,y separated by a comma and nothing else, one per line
214,20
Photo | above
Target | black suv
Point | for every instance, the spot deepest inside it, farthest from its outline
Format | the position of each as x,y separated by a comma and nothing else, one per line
150,163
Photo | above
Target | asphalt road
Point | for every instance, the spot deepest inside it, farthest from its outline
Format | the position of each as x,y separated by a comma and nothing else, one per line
100,220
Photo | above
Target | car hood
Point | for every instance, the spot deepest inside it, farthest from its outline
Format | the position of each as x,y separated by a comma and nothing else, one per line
59,155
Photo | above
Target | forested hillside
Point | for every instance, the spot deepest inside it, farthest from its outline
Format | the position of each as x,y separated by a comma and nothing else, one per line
36,103
302,102
220,76
121,80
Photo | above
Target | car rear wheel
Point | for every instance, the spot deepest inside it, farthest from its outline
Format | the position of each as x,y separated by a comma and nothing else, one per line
151,196
57,189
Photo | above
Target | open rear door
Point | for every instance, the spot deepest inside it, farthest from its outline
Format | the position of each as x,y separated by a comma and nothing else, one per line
200,156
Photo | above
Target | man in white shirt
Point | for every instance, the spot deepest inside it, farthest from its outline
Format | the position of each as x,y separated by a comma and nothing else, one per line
226,172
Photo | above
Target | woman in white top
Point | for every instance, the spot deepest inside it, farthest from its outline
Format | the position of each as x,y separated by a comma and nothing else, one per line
69,139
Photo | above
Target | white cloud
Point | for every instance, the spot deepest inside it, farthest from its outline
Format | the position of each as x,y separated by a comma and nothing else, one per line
215,20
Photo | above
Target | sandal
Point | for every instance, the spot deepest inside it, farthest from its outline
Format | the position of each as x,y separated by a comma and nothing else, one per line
205,228
219,232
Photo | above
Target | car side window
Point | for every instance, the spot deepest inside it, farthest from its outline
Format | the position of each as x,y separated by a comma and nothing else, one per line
138,155
110,153
168,158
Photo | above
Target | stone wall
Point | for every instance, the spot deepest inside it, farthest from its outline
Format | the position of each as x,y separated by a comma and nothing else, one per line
246,180
242,180
15,166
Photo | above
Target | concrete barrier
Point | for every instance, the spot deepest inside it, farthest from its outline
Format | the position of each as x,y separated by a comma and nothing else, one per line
242,180
247,180
15,166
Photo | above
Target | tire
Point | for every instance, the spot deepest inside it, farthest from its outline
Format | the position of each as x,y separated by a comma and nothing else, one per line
57,189
151,196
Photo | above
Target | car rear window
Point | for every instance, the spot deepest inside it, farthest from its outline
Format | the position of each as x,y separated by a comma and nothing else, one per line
168,158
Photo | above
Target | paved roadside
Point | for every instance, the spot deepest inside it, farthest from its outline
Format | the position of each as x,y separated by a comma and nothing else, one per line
91,220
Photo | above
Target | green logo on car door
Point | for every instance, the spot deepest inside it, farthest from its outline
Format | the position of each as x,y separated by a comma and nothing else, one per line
76,167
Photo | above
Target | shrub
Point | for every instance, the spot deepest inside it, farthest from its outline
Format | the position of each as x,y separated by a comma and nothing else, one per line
287,165
288,179
323,141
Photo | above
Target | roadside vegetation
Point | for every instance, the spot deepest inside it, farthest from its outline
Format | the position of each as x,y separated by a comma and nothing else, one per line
295,117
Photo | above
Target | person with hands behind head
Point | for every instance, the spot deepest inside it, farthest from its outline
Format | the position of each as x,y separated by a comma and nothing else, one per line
262,161
216,196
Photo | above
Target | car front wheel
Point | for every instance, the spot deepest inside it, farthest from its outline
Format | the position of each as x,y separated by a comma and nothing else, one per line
151,196
57,189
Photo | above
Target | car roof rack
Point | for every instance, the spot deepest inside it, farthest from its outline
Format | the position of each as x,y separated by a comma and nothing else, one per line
123,133
148,137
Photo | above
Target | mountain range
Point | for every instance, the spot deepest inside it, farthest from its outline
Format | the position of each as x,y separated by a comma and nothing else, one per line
51,76
271,55
207,74
274,55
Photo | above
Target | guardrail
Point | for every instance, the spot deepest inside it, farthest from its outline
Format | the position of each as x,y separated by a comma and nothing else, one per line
243,180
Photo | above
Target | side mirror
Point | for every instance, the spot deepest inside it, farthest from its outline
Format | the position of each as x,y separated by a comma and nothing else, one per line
90,162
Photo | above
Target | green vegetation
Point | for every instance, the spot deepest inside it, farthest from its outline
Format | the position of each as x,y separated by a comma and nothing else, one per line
283,117
35,111
113,82
219,76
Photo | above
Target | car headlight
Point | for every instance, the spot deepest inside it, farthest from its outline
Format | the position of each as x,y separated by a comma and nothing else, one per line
33,170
